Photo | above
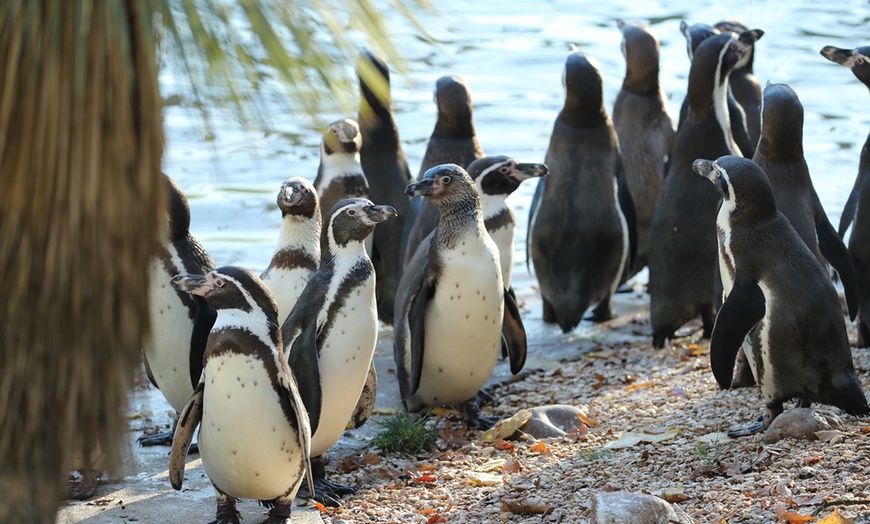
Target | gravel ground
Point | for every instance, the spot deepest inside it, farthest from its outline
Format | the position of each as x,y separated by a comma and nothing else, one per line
627,388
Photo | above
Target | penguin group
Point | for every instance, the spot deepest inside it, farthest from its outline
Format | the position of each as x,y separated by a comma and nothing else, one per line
719,209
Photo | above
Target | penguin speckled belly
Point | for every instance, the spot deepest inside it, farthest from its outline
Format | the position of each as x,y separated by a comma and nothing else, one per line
450,304
578,234
173,349
386,168
781,297
254,436
453,141
682,255
857,209
298,252
330,336
644,128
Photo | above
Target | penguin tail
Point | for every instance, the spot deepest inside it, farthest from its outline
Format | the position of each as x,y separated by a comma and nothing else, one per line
851,398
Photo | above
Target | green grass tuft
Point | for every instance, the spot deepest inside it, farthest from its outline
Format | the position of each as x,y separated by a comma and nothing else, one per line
405,433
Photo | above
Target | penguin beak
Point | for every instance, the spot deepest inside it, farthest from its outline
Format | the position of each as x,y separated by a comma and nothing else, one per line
345,132
421,188
292,194
379,214
526,171
193,284
750,37
705,169
836,54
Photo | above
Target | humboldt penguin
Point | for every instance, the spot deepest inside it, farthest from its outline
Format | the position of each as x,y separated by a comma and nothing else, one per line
579,238
644,128
386,168
682,256
331,333
255,433
298,251
452,303
452,142
780,296
173,349
340,173
695,34
857,210
744,85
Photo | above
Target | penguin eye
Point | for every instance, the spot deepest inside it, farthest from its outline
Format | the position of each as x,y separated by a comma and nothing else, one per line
504,170
351,212
445,180
219,282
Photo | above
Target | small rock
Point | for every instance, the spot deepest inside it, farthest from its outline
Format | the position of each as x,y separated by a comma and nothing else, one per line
806,472
622,507
556,420
802,423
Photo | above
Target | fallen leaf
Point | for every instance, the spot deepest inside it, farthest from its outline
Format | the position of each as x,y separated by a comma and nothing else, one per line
492,465
426,467
789,517
387,472
423,478
592,423
815,459
832,435
814,500
443,412
629,439
430,511
705,470
435,519
600,379
511,465
385,411
503,445
477,478
556,373
321,508
507,426
673,495
836,518
640,385
524,506
713,438
678,393
541,448
577,432
604,353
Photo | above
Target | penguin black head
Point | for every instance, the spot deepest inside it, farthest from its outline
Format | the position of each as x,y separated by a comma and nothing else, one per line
782,122
584,102
640,47
743,185
374,83
343,136
453,98
737,27
725,51
447,186
352,220
502,175
297,197
695,34
178,211
858,60
230,287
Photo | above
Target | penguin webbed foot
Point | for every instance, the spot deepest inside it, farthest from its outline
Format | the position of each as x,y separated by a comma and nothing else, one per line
226,512
746,431
601,313
325,492
84,487
279,512
473,417
158,439
772,410
483,398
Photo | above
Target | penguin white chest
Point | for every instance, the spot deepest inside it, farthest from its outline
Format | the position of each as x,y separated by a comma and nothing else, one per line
249,449
345,356
726,255
463,323
286,285
167,346
763,346
504,241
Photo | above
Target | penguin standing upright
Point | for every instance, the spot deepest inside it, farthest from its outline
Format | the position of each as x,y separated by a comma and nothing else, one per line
682,256
579,239
298,251
452,142
340,173
255,434
173,349
857,210
744,85
386,168
644,128
695,34
451,304
779,295
331,333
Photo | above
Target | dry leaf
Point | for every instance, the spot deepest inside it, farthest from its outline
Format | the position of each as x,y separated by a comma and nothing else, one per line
506,427
678,393
426,467
629,439
601,380
713,438
814,500
443,412
576,433
815,459
524,507
477,478
435,519
321,508
604,353
640,385
511,465
424,478
673,495
836,518
541,448
788,517
503,445
832,436
590,422
492,465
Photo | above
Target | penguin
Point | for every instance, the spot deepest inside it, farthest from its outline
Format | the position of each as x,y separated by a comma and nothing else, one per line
386,168
644,127
256,435
452,142
744,86
331,333
340,173
496,178
173,349
695,34
579,240
856,213
451,304
798,347
298,252
682,255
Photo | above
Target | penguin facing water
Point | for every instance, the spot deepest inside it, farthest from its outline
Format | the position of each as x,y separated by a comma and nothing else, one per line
578,232
682,256
330,336
744,85
857,209
798,346
255,433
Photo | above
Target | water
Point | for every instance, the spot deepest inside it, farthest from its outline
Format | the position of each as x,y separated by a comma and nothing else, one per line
511,53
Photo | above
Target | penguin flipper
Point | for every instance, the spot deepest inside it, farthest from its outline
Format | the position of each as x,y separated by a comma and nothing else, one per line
626,204
533,208
742,310
189,419
851,208
294,408
513,334
836,253
304,362
203,320
417,328
365,405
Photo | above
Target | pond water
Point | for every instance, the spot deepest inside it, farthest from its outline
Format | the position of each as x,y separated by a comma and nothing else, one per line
511,53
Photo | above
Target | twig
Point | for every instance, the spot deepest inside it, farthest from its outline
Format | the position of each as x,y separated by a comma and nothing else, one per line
839,502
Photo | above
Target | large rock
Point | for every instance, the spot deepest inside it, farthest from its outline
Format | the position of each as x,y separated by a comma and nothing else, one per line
556,420
802,423
622,507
